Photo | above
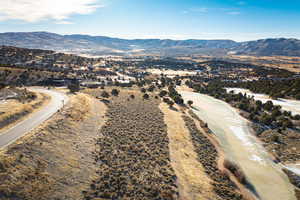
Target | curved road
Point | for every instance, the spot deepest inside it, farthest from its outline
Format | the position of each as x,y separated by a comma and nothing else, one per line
35,119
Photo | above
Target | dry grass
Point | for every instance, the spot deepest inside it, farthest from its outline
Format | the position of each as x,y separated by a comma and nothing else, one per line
282,62
55,161
171,72
81,107
14,111
207,156
295,180
193,182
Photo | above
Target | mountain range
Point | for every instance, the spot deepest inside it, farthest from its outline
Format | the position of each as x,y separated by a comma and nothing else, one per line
101,45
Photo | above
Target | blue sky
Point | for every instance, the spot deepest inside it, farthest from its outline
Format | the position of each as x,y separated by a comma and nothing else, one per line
239,20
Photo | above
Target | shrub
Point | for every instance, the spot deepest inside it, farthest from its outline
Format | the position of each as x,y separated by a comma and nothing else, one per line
170,103
132,96
268,105
105,94
235,169
143,90
163,93
276,113
258,104
74,87
243,106
172,91
287,123
115,92
297,117
178,100
287,113
275,138
2,85
166,100
266,119
151,88
145,96
190,102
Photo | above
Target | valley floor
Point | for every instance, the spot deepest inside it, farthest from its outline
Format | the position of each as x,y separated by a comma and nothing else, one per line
126,148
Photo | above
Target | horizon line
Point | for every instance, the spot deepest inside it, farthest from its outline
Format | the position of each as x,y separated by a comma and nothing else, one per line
150,38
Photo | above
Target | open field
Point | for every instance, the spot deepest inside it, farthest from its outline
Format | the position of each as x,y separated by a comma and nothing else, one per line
135,143
128,147
282,62
171,73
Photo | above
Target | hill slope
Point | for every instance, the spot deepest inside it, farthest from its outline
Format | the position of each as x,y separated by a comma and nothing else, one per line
270,47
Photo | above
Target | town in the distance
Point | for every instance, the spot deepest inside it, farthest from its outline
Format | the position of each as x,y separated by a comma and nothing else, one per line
87,117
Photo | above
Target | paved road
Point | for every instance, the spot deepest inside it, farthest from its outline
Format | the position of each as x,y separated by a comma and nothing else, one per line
35,119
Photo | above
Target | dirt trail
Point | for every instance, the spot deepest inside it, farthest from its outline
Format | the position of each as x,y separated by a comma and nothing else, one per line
193,182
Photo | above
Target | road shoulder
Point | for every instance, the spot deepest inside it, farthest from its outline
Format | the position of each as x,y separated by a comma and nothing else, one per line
54,161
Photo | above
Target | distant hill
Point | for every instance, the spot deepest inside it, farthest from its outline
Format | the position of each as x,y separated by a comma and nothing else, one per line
97,45
270,47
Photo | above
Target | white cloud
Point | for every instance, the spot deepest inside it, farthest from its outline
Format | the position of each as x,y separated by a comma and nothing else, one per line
36,10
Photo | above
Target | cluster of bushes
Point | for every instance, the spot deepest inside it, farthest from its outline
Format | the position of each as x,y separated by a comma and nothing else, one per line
114,92
130,84
275,89
263,113
151,88
259,71
167,63
74,87
133,154
21,95
173,94
236,171
168,101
